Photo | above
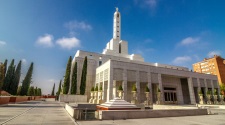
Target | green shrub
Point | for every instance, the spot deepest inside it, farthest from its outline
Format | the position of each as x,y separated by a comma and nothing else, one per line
96,88
134,88
92,88
100,88
146,89
208,92
120,88
159,90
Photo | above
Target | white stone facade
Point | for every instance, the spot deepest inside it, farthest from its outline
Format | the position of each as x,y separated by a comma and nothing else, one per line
113,73
116,67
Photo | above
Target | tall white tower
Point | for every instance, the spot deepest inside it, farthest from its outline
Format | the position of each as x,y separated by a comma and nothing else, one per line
117,25
116,46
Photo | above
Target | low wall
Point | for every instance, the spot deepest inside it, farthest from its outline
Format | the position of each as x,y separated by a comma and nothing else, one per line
111,115
15,99
70,110
4,100
73,98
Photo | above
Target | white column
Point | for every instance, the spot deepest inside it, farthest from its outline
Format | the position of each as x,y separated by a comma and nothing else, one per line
138,85
124,84
103,86
199,86
161,87
114,89
206,86
110,84
191,90
211,82
150,86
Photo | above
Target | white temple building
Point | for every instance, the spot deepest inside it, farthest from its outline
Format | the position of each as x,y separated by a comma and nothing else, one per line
115,66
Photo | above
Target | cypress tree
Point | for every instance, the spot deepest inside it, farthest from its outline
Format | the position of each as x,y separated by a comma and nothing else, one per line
74,80
36,91
9,77
30,91
5,65
19,90
53,90
66,83
59,90
2,75
39,92
27,80
83,77
16,79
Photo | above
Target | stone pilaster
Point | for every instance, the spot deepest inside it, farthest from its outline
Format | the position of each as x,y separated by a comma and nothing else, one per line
103,86
138,85
114,89
161,88
110,84
191,90
150,87
124,84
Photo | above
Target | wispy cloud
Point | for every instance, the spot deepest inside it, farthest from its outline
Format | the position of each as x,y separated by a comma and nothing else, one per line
215,52
151,4
68,43
189,41
182,60
24,61
74,26
2,43
45,40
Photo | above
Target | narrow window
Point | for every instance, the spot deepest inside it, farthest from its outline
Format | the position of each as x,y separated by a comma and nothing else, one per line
100,63
120,48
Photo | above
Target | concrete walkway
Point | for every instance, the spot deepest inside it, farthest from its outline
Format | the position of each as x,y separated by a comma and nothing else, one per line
35,113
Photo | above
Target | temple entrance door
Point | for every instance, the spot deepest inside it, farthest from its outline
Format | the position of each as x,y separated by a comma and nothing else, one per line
170,96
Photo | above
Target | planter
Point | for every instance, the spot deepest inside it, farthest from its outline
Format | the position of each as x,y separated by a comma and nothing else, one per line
120,93
99,97
134,100
201,99
95,97
215,99
92,97
208,99
147,102
4,100
158,98
221,99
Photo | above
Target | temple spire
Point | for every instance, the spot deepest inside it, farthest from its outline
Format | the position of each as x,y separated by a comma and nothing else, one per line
117,25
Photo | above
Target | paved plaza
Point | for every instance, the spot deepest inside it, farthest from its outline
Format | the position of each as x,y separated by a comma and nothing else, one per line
35,113
50,112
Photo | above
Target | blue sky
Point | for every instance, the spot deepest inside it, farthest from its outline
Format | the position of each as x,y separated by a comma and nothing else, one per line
47,32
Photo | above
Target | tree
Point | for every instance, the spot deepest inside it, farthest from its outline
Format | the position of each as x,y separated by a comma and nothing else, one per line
19,90
30,91
39,92
35,91
9,77
16,79
83,77
222,88
27,80
66,83
53,90
74,80
59,90
5,65
2,75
